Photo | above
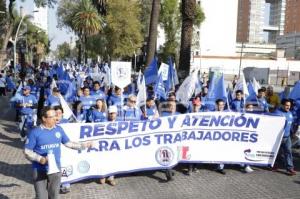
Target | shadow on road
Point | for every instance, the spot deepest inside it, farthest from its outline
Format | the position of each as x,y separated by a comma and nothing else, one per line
14,142
3,196
21,172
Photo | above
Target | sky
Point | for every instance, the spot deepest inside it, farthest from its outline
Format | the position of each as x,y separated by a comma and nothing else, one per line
55,34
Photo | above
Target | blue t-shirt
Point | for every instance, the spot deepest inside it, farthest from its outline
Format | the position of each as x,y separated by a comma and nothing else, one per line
87,102
98,116
52,101
288,121
237,105
132,113
98,94
30,101
42,141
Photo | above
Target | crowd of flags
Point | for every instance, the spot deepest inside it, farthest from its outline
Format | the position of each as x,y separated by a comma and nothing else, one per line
162,84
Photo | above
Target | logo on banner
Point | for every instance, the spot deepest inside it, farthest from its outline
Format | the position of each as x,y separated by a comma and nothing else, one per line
121,72
164,156
183,153
83,166
258,156
67,171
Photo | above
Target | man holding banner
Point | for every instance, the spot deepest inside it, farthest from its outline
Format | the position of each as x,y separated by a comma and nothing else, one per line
43,148
286,144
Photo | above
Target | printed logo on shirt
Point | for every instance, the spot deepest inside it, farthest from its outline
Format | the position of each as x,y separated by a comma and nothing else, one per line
164,156
50,146
58,135
83,166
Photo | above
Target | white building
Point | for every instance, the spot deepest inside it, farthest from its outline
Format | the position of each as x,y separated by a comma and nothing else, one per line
218,31
40,18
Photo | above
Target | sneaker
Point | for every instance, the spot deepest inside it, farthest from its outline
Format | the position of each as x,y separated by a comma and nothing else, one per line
112,182
23,139
64,190
196,170
221,171
248,169
102,180
291,172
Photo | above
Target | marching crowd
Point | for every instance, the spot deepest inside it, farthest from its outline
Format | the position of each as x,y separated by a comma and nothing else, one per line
39,111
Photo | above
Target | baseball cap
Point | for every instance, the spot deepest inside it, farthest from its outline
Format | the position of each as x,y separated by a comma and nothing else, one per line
26,88
112,109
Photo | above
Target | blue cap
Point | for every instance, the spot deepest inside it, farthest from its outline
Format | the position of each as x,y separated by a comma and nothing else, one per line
26,88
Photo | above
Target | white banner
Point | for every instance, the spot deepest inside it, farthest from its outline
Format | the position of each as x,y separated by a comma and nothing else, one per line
121,73
210,137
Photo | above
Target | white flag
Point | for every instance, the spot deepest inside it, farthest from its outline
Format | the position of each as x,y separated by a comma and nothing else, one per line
186,89
241,85
256,85
141,96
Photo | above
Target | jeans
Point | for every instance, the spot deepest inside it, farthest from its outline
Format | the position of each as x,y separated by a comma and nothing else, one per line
286,147
46,186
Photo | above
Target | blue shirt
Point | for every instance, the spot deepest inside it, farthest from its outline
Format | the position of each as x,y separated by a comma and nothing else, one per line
132,113
98,116
42,141
237,105
30,101
98,94
87,102
288,121
52,101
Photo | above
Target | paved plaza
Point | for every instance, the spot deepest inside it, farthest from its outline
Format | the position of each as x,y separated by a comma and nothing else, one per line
15,177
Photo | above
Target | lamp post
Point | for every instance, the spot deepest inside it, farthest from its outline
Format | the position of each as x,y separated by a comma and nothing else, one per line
16,39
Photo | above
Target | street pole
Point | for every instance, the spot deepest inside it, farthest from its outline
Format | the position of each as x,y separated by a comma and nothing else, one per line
15,44
16,39
241,55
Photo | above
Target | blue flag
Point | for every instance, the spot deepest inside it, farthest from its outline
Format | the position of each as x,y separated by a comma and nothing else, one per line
295,93
159,89
252,93
220,89
151,72
170,83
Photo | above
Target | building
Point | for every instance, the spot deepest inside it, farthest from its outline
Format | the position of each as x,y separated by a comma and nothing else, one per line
40,18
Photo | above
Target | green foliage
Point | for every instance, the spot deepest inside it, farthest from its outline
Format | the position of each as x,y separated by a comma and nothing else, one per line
123,29
170,21
86,19
145,6
64,51
199,15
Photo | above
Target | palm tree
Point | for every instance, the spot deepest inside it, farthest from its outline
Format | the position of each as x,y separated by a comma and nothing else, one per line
188,11
153,31
85,22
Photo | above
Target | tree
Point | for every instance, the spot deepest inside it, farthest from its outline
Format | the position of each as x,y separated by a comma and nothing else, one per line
151,44
170,22
123,29
64,50
86,21
190,14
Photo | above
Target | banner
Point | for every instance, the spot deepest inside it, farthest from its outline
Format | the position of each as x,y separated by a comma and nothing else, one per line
121,73
210,137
